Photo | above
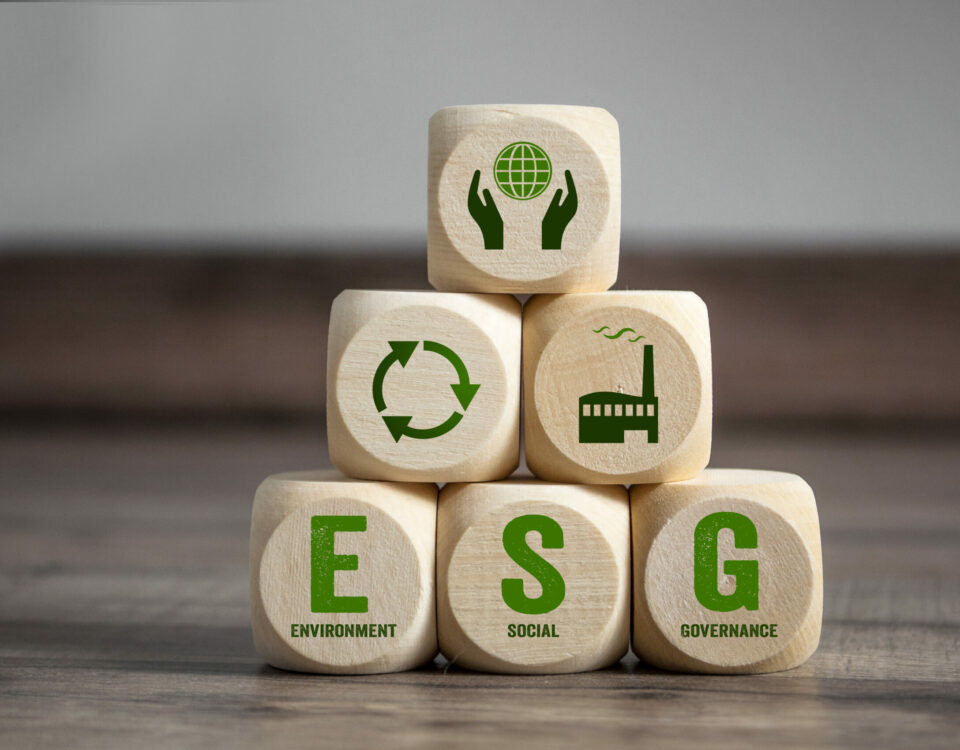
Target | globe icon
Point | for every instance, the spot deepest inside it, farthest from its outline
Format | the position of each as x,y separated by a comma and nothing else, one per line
522,170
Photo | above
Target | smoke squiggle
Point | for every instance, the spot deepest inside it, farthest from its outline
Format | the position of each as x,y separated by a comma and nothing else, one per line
619,333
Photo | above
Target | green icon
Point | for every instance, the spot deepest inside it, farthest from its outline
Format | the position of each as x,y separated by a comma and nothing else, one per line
558,216
324,563
618,334
522,170
705,563
485,213
605,415
464,390
553,588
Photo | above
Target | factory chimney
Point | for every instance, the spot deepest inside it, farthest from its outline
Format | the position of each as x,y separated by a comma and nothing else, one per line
648,393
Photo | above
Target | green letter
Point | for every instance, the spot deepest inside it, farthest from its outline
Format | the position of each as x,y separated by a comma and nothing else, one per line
515,543
747,572
323,564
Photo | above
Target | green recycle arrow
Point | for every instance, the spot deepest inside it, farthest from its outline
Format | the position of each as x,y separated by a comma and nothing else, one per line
464,390
400,426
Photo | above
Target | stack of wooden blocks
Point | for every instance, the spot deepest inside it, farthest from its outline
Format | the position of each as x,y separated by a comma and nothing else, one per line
376,569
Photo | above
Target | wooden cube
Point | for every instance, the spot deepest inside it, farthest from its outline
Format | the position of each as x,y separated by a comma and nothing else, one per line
532,577
617,387
424,386
523,198
727,576
342,573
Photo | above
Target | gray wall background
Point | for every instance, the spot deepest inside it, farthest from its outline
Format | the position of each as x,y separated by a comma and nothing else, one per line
806,122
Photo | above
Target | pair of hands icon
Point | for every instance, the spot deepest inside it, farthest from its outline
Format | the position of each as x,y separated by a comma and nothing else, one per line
484,211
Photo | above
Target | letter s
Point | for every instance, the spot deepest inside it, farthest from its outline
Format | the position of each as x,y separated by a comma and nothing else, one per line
515,544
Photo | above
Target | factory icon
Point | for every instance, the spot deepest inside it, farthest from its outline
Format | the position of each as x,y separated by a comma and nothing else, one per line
606,415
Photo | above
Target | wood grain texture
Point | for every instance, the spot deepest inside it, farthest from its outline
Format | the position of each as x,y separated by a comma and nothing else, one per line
241,331
578,602
393,572
765,528
124,612
578,153
424,349
632,367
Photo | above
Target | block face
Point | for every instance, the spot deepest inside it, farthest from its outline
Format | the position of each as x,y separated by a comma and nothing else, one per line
727,572
533,578
424,386
618,386
523,198
342,573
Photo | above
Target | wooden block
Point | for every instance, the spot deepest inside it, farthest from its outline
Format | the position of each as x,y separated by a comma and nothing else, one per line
727,576
532,577
342,573
523,198
617,387
424,386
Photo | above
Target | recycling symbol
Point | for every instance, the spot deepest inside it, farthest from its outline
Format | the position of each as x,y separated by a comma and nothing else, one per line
464,390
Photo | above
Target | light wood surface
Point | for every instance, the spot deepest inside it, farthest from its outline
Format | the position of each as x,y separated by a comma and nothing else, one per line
617,387
533,577
424,386
314,610
561,234
125,621
731,550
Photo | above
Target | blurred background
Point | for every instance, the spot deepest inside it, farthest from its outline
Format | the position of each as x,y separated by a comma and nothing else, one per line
185,187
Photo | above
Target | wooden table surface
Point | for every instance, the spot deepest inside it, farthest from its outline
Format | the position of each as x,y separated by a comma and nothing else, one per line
124,621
